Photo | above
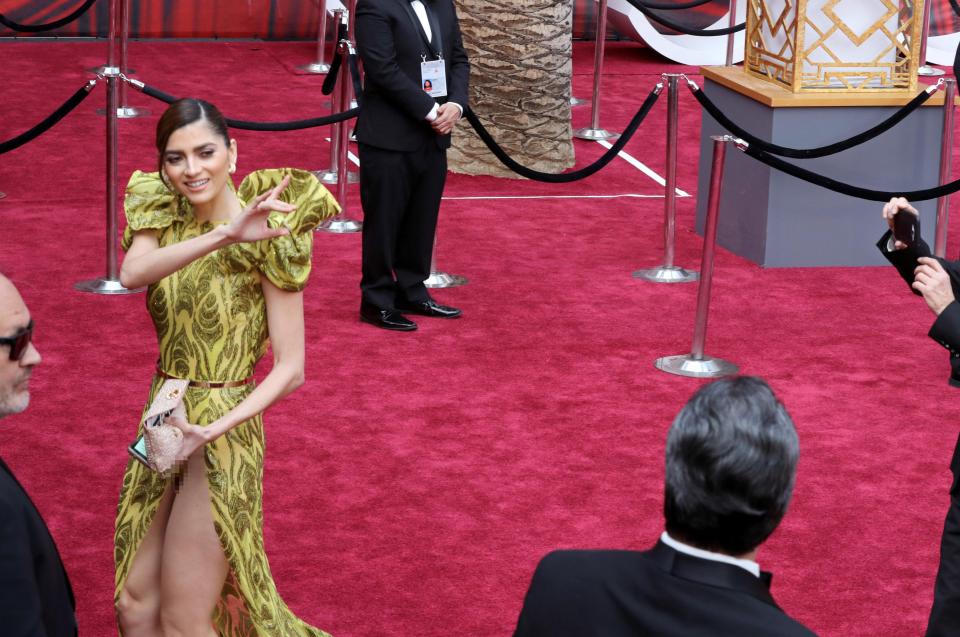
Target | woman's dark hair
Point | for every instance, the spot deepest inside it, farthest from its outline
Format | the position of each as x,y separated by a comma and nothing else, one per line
731,462
187,111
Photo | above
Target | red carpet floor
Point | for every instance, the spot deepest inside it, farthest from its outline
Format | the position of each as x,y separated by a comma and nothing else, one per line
415,480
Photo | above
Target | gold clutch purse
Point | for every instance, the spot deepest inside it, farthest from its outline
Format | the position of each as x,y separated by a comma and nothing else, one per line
158,445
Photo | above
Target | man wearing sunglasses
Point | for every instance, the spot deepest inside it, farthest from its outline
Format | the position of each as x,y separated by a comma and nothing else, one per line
35,595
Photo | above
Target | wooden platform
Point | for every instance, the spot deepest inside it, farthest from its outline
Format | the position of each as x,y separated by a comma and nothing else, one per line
769,94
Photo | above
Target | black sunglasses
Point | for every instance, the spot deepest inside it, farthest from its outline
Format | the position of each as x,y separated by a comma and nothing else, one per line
19,341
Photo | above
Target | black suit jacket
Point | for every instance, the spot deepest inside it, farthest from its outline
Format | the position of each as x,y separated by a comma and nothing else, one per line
394,104
946,328
659,592
35,595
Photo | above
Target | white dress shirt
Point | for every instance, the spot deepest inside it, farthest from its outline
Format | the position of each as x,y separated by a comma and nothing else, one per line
748,565
421,12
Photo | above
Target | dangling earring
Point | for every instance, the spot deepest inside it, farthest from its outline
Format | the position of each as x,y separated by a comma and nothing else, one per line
232,169
165,180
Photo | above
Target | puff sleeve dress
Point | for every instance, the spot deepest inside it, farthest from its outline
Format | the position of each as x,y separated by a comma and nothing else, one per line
210,319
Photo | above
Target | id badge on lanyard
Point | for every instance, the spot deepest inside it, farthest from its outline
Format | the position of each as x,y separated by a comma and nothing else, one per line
433,77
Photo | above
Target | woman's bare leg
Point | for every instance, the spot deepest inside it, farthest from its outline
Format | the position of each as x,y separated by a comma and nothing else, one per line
193,568
138,607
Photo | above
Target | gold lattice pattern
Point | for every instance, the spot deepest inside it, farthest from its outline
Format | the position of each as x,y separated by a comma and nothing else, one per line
833,55
765,57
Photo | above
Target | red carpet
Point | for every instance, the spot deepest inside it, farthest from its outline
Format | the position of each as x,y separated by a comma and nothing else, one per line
415,480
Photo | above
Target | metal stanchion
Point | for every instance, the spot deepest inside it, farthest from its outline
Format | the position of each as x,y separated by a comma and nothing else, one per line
594,132
925,70
946,152
110,284
668,272
320,66
576,101
696,363
331,175
123,110
342,223
730,38
438,279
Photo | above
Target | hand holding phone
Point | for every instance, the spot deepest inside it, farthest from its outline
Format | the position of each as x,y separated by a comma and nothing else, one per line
906,227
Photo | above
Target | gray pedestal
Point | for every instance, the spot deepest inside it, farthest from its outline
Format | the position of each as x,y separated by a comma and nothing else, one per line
777,220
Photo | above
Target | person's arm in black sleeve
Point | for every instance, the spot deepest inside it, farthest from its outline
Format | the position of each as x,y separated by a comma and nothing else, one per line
20,608
377,49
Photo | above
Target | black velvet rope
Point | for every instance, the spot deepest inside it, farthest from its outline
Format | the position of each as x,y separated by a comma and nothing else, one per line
56,24
956,7
265,126
48,122
674,7
809,153
846,189
640,6
355,76
330,82
576,175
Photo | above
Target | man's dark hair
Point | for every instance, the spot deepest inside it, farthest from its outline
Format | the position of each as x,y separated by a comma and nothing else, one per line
731,462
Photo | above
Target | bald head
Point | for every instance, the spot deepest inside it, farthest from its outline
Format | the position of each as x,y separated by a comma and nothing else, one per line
14,374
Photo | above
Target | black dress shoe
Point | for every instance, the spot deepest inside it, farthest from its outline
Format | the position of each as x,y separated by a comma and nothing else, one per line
430,308
386,319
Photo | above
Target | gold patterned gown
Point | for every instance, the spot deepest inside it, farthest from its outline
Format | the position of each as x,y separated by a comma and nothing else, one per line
210,318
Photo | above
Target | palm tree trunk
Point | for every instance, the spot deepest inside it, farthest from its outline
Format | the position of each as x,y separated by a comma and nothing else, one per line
521,61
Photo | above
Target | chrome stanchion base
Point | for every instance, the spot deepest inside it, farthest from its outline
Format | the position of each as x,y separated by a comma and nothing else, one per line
330,176
929,71
594,134
687,365
576,101
444,280
316,67
126,112
104,286
340,225
666,274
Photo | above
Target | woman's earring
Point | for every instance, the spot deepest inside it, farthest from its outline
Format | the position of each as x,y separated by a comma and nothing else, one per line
165,180
232,169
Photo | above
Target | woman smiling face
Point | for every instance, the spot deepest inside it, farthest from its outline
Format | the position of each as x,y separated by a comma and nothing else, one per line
197,162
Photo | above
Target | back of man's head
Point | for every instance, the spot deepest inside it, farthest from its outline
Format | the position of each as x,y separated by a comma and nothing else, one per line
731,462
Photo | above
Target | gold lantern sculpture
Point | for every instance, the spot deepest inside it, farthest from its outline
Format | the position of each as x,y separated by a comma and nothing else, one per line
834,45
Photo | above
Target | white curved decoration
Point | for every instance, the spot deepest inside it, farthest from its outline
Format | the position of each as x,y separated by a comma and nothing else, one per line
941,48
685,49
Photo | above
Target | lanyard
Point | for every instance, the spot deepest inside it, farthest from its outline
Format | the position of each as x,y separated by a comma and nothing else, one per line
434,27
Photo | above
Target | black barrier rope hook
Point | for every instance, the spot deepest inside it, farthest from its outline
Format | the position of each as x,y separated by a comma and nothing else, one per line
50,121
50,26
257,126
810,153
563,178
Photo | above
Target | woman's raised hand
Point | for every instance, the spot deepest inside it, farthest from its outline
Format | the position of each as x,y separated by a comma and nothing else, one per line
251,223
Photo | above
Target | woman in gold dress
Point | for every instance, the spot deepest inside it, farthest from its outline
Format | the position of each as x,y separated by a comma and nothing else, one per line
225,270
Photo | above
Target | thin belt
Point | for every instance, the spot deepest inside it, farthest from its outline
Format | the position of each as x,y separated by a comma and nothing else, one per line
205,384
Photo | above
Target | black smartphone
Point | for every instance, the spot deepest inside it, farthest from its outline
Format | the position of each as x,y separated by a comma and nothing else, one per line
906,227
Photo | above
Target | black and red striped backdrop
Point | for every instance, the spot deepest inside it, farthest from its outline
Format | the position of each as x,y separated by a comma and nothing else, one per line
281,19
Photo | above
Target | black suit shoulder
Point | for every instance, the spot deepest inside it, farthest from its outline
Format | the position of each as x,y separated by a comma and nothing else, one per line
616,593
35,595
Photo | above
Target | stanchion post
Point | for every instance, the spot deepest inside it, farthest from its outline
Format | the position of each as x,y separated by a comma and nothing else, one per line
946,153
697,364
330,175
594,132
320,66
732,22
438,278
110,284
124,110
668,272
927,71
342,223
